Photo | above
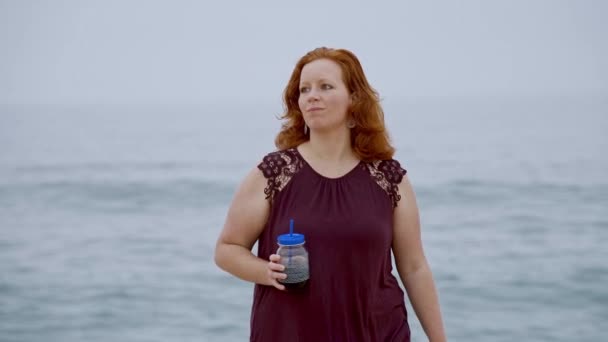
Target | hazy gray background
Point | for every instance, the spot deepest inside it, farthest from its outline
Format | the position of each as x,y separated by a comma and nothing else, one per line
125,127
194,52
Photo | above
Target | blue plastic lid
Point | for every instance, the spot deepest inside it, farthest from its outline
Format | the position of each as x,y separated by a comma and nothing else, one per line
290,239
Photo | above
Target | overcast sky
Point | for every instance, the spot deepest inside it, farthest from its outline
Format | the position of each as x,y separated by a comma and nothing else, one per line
195,52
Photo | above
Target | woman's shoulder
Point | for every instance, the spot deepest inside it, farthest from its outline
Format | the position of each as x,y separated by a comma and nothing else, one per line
388,174
391,169
275,163
278,167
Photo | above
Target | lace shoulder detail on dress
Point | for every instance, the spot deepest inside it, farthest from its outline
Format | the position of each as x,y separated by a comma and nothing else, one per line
279,167
388,174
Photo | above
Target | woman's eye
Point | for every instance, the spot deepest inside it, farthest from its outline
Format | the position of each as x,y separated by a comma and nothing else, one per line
326,86
303,89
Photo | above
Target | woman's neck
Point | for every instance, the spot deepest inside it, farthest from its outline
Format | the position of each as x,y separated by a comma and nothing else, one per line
334,147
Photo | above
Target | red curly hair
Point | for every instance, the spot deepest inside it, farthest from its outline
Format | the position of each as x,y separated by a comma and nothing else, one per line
369,137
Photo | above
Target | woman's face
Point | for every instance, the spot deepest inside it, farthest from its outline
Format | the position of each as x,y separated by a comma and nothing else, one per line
324,98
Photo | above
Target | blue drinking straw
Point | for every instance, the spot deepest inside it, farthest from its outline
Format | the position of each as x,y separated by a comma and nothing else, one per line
290,234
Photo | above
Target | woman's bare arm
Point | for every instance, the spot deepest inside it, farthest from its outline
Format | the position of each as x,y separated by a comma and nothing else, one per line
412,265
244,223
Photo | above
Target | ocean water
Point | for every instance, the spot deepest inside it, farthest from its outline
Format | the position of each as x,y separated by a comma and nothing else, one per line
109,216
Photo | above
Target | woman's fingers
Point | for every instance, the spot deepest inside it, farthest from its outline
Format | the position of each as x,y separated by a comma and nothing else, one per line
275,271
277,275
278,285
276,267
274,263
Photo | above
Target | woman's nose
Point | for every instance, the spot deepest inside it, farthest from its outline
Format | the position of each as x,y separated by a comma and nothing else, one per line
313,95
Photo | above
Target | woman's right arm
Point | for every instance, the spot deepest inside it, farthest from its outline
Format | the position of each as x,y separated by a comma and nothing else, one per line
244,223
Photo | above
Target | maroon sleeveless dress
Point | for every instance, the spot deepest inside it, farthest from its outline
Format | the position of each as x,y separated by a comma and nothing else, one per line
352,294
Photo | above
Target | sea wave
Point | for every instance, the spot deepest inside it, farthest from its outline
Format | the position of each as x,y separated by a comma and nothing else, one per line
116,195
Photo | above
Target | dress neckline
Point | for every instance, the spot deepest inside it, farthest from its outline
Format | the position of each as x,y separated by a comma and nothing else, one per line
348,173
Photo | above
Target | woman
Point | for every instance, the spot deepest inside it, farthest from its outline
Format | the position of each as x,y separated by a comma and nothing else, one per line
334,175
